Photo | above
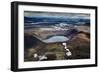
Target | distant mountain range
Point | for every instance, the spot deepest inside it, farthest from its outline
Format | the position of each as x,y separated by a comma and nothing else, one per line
55,21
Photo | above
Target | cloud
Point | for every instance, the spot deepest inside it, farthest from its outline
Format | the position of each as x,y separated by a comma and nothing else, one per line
56,14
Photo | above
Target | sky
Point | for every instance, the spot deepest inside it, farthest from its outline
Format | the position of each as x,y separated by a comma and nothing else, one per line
56,14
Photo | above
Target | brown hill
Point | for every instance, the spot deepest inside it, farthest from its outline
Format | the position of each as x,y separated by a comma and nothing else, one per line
80,46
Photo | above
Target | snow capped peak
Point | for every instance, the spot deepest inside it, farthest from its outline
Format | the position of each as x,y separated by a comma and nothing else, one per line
62,24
